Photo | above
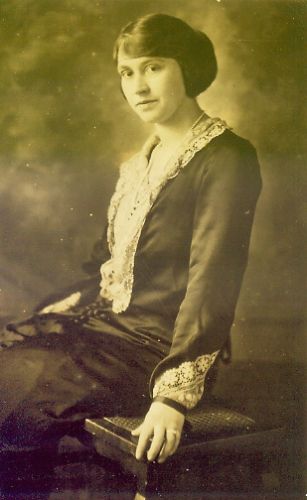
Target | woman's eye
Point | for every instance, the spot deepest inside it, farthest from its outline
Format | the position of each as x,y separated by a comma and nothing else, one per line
151,68
125,73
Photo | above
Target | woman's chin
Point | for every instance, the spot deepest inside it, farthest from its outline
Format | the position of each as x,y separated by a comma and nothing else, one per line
148,117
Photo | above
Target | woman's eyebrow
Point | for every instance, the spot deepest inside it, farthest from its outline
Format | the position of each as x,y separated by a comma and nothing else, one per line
146,60
123,66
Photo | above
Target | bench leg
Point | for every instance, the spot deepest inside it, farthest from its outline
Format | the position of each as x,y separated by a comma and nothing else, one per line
148,478
139,496
142,483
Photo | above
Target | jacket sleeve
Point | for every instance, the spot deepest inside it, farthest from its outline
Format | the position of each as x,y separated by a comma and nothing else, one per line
223,218
85,290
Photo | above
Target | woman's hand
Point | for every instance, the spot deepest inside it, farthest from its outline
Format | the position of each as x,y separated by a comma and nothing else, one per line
160,432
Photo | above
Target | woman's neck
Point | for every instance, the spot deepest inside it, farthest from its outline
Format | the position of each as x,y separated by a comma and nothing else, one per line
172,131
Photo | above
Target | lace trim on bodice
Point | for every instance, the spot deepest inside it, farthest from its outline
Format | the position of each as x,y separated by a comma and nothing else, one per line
117,273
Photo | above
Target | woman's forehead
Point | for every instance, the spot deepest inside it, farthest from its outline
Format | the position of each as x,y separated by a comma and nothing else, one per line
124,59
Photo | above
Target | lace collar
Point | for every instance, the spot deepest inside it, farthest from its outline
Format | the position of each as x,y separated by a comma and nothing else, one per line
117,273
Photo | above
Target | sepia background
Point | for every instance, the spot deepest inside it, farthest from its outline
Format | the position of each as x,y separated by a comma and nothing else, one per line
65,128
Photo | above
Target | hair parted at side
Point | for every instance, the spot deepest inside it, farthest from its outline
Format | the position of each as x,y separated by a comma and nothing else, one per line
162,35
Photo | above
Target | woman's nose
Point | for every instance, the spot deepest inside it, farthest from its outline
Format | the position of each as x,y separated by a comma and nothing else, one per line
140,84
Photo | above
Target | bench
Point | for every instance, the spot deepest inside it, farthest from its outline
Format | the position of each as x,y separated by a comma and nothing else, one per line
213,434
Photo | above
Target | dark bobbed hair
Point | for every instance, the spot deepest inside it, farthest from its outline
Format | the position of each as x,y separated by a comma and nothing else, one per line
160,35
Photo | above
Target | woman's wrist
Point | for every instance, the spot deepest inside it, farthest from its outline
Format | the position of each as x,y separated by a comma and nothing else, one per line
170,402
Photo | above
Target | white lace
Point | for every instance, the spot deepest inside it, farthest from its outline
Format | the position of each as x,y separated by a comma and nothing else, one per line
117,273
62,305
185,383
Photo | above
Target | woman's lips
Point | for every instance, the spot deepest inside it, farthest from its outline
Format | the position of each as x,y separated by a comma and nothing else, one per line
147,103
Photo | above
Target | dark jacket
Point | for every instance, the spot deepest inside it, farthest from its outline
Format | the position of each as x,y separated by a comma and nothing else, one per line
192,253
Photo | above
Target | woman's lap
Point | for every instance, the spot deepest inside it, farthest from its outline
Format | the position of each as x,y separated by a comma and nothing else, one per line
49,384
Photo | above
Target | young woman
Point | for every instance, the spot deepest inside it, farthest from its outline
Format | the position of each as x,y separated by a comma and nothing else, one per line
165,277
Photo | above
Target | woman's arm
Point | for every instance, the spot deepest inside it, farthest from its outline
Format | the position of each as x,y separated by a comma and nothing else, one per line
84,290
219,250
223,219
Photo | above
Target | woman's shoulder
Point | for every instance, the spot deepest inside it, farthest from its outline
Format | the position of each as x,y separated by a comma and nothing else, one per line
229,141
232,150
213,141
230,158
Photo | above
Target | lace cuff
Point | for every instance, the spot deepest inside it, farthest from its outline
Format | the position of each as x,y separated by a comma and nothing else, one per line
62,305
185,383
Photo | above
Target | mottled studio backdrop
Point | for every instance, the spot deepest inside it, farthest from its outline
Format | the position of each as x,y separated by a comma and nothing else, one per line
65,128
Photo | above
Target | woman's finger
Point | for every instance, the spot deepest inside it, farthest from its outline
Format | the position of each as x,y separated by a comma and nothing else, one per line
157,443
144,440
176,446
170,445
137,431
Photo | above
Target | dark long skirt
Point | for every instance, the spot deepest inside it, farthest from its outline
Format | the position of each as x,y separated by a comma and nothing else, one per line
52,381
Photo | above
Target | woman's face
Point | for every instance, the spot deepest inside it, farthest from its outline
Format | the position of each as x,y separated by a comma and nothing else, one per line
153,86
